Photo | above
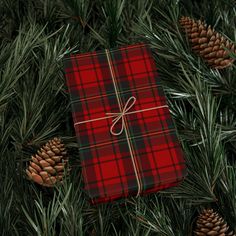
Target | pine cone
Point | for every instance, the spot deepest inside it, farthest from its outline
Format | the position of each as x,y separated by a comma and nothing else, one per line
48,165
209,223
209,44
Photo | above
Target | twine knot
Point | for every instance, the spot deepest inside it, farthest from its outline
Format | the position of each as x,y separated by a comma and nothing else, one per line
120,116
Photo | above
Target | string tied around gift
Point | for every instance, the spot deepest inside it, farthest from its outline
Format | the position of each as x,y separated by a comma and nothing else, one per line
121,116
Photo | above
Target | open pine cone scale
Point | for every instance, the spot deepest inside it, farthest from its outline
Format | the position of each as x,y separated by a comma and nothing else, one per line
47,167
210,45
209,223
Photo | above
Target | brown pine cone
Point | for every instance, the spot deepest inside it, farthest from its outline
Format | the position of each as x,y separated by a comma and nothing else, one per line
210,45
209,223
48,165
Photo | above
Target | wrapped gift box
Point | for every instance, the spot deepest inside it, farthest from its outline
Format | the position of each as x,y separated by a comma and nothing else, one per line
127,139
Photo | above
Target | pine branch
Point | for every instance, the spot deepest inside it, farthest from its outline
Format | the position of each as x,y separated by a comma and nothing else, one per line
227,200
44,221
8,207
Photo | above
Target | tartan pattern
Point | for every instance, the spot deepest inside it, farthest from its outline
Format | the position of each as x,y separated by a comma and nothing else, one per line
107,168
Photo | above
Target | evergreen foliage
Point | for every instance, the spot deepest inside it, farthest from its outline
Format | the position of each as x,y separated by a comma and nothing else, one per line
34,107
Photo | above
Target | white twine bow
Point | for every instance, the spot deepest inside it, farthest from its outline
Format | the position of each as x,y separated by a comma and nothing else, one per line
120,115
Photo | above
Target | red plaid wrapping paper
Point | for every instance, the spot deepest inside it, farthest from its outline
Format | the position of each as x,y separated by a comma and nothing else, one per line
118,91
